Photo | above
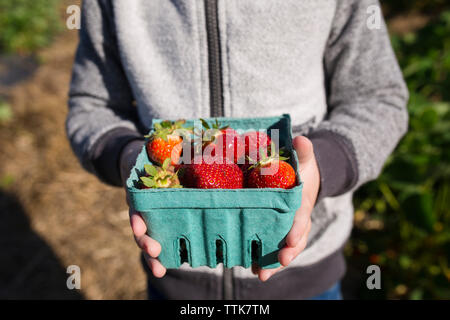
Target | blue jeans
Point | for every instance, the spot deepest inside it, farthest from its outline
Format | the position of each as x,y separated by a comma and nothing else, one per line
334,293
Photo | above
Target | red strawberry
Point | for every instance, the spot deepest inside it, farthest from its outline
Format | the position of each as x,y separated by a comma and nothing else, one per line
211,175
271,172
254,141
164,143
159,177
223,141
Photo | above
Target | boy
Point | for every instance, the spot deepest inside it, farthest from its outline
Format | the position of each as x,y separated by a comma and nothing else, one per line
315,59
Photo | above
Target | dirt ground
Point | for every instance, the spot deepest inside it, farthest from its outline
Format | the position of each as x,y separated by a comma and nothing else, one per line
52,213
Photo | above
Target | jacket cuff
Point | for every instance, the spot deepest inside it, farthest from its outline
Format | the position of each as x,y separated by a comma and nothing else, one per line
336,161
105,155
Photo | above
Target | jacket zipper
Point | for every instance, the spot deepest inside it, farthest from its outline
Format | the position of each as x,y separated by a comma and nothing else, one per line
214,59
216,98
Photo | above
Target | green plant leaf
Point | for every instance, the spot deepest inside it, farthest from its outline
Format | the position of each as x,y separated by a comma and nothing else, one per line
148,182
150,169
419,211
166,163
5,112
166,124
205,124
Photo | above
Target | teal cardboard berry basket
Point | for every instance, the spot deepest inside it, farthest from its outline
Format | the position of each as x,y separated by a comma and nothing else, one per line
234,227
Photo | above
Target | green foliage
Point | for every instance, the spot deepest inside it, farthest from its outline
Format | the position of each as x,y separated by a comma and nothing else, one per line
425,58
6,181
5,112
27,25
412,195
424,6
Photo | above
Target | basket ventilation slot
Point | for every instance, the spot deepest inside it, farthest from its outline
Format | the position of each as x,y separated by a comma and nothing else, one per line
255,250
183,251
219,251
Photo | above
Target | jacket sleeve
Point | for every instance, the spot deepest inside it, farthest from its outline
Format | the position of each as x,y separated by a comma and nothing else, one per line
367,97
101,118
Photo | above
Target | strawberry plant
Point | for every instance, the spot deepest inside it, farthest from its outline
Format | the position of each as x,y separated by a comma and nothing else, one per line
402,220
27,25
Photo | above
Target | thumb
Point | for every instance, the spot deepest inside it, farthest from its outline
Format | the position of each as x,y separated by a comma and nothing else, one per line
304,148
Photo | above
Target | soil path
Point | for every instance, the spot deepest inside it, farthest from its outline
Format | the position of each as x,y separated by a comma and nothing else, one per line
53,213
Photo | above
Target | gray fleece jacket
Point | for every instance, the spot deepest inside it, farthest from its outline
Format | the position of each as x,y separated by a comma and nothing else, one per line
314,59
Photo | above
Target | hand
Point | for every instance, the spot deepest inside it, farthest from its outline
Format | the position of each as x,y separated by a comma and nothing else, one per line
150,247
297,237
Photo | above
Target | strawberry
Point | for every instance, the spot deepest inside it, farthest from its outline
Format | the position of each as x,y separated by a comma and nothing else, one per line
222,141
208,174
165,143
278,173
159,177
254,141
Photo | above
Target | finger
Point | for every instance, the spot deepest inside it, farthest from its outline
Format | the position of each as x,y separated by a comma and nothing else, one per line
137,223
265,274
155,266
301,218
304,148
287,254
148,245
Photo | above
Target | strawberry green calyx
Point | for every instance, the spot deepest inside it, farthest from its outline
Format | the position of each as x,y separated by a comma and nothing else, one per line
160,177
212,132
166,128
265,160
215,125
